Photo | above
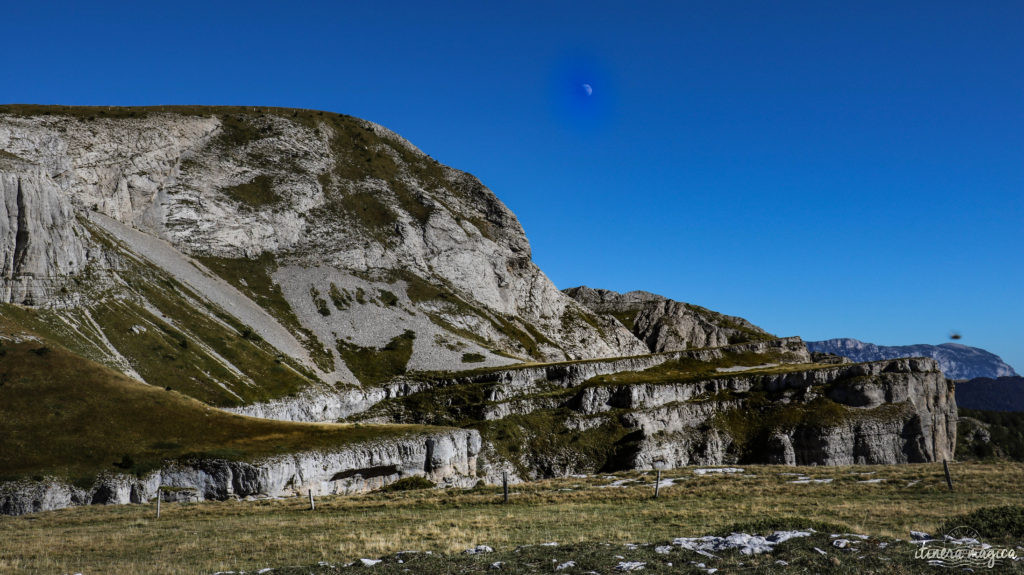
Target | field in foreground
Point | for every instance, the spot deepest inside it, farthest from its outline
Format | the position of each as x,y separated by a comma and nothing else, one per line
581,514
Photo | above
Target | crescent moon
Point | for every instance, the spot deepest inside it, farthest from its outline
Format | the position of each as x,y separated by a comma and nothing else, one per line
588,89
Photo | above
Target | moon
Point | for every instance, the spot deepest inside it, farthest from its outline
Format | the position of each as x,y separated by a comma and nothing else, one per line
588,89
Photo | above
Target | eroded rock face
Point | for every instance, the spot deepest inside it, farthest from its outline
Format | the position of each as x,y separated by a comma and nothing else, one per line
41,243
447,458
331,203
793,413
897,411
667,325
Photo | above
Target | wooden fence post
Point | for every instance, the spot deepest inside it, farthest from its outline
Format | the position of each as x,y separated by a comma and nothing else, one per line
158,492
312,505
504,485
949,480
657,485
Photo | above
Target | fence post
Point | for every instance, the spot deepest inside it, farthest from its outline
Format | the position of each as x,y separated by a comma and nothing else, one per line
657,485
312,505
949,480
504,485
158,492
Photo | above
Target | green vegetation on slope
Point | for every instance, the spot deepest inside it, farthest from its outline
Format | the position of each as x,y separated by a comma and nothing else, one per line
64,415
257,193
170,337
691,369
253,278
373,366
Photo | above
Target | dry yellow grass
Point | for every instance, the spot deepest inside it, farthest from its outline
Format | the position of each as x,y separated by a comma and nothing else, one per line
215,536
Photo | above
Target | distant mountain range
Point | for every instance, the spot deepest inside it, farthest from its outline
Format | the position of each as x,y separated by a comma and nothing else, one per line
956,361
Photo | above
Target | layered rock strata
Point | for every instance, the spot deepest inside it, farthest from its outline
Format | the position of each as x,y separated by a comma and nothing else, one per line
448,459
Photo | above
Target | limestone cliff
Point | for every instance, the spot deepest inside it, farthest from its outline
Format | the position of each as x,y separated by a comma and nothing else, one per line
667,325
448,459
333,240
759,402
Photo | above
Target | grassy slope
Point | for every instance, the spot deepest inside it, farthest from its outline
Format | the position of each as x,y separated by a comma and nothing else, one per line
175,348
215,536
65,415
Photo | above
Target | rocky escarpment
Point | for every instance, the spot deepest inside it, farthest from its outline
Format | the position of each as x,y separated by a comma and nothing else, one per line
342,230
446,458
955,360
667,325
41,244
757,402
896,411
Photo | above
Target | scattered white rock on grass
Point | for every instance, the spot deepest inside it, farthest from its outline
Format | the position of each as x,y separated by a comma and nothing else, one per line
369,562
747,544
920,536
842,543
624,566
497,564
805,480
551,544
877,480
857,535
663,549
820,551
565,565
479,549
708,470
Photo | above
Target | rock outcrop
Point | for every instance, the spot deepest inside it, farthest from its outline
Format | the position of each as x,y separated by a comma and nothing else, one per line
759,402
955,360
41,243
446,458
667,325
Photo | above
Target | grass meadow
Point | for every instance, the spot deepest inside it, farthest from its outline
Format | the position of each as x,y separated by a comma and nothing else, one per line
615,509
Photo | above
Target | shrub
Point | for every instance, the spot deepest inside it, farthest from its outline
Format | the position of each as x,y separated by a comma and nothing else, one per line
1005,522
409,483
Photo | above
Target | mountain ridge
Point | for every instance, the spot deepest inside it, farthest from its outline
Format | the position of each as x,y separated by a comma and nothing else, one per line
957,361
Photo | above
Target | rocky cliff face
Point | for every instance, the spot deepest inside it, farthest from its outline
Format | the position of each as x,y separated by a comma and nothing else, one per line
334,240
667,325
41,244
759,402
446,458
955,360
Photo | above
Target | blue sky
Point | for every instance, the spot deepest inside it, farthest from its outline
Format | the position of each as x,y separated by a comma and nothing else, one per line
824,169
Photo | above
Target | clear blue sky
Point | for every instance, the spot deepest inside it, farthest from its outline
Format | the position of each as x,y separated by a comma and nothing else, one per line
824,169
